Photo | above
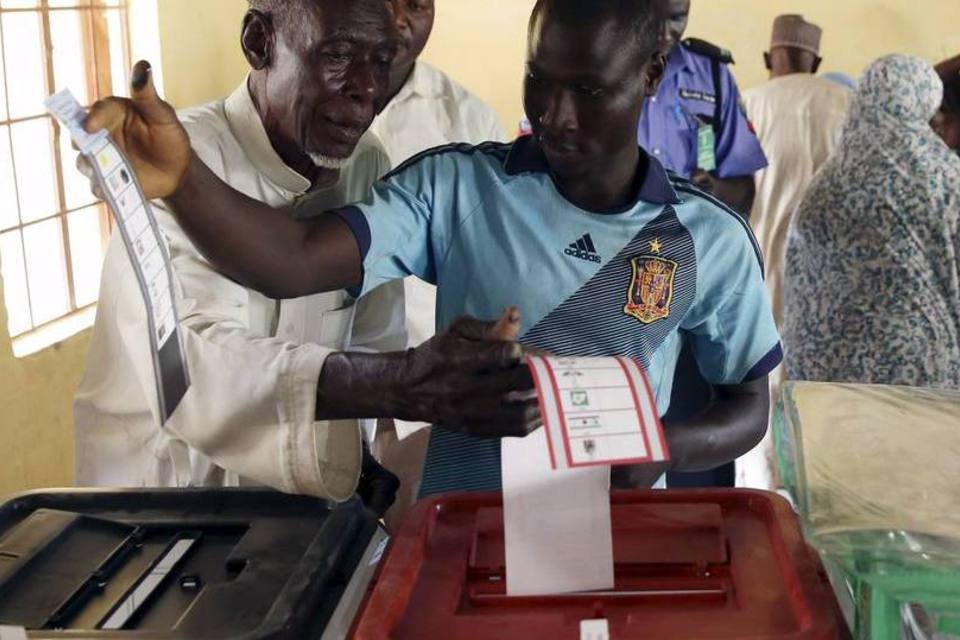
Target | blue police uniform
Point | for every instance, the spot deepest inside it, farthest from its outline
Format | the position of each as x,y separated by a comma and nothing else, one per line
698,92
489,227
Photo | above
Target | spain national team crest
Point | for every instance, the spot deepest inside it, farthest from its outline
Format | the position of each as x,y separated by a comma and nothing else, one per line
651,290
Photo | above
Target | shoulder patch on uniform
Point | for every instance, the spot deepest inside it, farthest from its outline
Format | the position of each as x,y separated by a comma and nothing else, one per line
496,149
708,49
682,185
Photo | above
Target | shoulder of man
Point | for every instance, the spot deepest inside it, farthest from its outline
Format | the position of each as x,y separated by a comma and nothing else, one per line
370,157
205,121
457,153
710,220
468,104
708,50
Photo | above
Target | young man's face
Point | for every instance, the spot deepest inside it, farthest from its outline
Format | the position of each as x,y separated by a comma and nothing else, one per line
584,92
414,22
329,75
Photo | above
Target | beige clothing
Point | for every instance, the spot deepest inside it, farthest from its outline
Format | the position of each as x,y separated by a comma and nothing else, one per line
798,119
253,361
431,110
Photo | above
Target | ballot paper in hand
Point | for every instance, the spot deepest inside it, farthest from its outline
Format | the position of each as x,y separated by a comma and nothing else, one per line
144,245
556,481
597,411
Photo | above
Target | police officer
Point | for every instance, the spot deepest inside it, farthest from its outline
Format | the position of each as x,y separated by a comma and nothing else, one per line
695,125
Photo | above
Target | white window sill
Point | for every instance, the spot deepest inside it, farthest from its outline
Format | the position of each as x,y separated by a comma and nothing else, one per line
57,331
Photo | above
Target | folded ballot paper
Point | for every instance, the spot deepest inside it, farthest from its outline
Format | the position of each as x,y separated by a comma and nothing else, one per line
597,412
145,246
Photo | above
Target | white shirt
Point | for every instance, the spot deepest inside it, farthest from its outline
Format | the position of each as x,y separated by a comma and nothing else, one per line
799,119
254,362
431,110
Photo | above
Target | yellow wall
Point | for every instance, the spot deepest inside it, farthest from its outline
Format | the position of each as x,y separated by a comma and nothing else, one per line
855,31
479,42
36,423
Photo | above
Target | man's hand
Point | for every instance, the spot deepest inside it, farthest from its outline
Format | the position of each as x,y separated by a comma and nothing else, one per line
147,130
471,379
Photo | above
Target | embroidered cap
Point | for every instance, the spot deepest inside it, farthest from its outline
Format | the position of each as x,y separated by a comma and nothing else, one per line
792,30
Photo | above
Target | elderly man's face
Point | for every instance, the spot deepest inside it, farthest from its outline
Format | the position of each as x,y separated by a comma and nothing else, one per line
414,22
329,75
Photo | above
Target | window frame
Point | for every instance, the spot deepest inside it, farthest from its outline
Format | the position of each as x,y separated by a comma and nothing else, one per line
97,64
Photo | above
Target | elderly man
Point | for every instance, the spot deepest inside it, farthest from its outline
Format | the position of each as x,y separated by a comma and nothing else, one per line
494,222
270,398
798,117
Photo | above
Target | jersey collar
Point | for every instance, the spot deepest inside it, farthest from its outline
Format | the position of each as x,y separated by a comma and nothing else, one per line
526,156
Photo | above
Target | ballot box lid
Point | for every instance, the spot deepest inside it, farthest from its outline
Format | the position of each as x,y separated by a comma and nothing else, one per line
688,564
230,563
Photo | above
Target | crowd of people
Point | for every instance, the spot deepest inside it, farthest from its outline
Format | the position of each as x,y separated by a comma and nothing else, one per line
312,277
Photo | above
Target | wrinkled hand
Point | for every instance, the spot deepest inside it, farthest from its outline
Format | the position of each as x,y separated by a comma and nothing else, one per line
472,380
147,130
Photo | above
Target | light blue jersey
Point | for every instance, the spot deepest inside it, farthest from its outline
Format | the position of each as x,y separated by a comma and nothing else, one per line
489,227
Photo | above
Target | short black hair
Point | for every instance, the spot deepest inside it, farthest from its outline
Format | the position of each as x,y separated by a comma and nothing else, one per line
644,19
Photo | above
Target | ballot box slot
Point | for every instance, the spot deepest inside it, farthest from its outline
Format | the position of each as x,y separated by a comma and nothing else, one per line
158,573
96,581
648,539
56,559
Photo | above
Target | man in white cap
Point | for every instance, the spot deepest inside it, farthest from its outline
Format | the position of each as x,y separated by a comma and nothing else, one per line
798,117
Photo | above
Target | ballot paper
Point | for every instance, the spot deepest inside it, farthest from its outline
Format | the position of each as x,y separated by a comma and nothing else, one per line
556,481
597,411
556,522
144,244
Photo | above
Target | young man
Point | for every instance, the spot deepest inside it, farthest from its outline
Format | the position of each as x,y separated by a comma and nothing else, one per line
798,117
292,135
499,223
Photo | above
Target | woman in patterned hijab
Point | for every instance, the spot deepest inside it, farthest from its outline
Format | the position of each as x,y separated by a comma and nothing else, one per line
872,291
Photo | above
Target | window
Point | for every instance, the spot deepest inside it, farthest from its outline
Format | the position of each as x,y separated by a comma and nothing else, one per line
52,230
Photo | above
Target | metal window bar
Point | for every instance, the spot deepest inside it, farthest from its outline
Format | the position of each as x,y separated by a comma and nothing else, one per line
99,84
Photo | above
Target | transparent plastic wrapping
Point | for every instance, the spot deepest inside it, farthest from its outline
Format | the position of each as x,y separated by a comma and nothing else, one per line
875,472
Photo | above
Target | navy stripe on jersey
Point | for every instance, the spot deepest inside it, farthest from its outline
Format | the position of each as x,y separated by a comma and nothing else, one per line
767,364
592,322
457,462
499,150
687,187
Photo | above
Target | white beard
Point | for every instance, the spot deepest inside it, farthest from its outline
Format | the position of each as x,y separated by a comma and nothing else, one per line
327,162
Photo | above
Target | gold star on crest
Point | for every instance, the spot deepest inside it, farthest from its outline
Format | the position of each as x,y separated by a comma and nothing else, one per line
656,247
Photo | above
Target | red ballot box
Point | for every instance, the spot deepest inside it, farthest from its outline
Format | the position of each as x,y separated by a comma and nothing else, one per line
689,564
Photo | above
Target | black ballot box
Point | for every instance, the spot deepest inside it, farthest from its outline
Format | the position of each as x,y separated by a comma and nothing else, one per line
224,563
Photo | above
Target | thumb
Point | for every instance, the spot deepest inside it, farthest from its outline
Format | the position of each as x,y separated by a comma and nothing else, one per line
144,95
507,328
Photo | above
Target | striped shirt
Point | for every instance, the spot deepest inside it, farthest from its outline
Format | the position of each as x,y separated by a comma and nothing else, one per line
488,226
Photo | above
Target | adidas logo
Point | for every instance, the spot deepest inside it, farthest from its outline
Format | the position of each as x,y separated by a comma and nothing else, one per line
584,249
